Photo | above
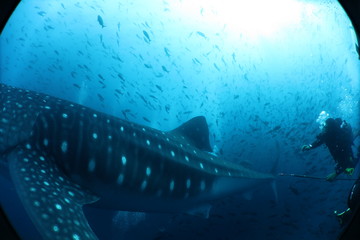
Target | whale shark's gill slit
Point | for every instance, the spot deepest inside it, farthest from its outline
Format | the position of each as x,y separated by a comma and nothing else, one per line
52,201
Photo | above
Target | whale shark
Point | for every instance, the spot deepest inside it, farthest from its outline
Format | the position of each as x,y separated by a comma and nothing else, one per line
61,155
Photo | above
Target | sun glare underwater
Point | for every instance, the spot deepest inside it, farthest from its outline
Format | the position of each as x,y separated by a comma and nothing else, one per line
259,71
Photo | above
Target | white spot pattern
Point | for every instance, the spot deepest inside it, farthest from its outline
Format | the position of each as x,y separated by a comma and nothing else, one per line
148,171
188,183
64,146
92,164
172,185
120,179
143,185
123,160
95,136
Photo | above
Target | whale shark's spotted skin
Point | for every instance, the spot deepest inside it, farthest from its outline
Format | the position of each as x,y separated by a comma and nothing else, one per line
62,155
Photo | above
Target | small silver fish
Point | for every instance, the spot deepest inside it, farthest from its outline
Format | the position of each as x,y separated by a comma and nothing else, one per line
101,21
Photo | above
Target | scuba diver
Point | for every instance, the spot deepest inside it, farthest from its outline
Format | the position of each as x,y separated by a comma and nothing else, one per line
337,135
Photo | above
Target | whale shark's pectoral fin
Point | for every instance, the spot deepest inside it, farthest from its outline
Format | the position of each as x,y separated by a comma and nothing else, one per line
53,202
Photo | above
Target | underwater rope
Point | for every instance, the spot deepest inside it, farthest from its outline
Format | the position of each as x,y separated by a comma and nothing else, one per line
313,177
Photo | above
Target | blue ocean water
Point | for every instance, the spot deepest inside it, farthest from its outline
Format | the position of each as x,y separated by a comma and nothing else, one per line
260,76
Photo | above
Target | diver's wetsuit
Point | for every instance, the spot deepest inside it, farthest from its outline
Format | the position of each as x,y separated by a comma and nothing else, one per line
339,141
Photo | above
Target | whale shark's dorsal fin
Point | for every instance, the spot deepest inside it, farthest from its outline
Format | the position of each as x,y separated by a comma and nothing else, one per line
196,131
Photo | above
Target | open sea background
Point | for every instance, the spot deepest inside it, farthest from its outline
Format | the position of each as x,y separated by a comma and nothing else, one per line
259,71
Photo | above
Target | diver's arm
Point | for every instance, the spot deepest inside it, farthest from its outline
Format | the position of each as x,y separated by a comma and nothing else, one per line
319,141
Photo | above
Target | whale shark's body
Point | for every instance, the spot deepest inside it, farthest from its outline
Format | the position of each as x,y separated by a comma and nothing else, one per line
62,155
